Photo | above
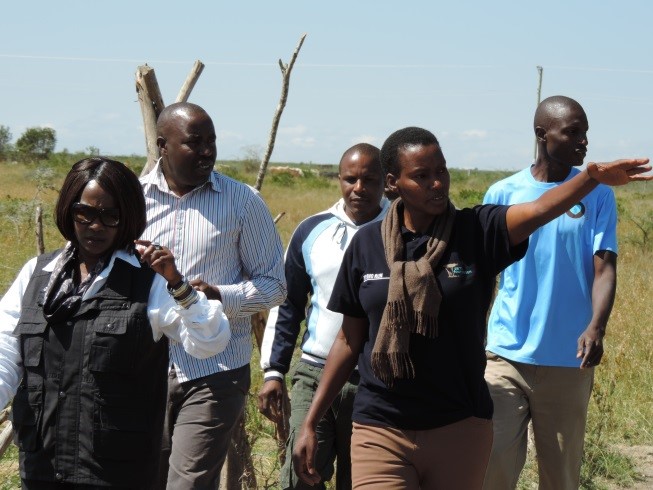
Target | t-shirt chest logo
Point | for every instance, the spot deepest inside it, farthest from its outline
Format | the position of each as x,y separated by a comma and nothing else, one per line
457,270
373,277
576,211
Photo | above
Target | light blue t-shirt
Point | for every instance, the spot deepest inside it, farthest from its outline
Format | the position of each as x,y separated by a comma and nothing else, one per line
544,300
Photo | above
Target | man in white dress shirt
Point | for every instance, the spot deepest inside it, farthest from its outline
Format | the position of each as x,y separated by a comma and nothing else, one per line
226,244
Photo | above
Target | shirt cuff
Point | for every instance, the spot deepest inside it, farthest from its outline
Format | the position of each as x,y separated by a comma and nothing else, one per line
270,375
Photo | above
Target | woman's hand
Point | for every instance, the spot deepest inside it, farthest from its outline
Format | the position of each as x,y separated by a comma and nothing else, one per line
160,259
303,456
619,172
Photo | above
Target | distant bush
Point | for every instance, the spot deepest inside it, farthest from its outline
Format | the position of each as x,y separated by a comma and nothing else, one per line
470,197
285,180
5,142
37,143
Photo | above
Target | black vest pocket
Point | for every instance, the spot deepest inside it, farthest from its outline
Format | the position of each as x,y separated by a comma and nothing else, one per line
121,428
32,349
30,329
26,415
113,346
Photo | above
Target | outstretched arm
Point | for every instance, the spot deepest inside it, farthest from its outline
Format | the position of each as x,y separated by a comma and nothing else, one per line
524,219
339,366
590,343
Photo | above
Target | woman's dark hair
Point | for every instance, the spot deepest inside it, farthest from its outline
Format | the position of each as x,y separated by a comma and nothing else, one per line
115,179
399,140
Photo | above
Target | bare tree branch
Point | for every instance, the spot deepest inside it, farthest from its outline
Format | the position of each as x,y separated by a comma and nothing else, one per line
285,72
191,79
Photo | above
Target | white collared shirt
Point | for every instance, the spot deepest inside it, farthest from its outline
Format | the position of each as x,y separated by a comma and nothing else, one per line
201,330
222,233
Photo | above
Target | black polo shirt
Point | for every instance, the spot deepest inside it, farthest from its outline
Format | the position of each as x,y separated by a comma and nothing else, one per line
449,384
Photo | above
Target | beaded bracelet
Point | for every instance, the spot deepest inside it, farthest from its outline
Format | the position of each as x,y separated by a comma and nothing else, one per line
184,294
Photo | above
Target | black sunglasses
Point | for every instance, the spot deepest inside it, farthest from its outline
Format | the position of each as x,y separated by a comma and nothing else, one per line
85,214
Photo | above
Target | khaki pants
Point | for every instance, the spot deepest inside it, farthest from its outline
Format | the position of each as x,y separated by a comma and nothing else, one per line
556,400
200,417
453,457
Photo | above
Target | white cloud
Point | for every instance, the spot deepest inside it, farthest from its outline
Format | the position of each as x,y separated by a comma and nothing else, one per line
474,134
296,136
298,130
308,142
224,136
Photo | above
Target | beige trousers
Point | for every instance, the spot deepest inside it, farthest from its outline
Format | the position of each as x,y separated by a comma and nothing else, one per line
453,457
556,400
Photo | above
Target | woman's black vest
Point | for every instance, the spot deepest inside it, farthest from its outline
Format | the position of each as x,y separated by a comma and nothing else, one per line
90,406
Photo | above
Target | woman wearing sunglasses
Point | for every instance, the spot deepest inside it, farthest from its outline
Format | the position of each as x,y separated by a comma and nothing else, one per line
81,334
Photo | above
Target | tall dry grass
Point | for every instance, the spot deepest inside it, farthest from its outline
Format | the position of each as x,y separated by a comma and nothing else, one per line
621,410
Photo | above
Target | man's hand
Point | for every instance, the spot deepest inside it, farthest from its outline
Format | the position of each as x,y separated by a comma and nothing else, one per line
211,292
270,400
590,347
303,456
619,172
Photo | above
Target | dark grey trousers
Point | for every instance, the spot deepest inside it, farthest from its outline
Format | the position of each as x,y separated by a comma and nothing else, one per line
200,417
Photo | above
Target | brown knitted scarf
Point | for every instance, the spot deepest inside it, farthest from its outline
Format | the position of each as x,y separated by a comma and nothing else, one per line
413,295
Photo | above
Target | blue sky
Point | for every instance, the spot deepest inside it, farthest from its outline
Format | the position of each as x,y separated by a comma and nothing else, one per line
464,70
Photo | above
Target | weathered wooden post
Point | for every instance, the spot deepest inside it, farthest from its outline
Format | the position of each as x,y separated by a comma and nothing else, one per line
189,84
151,101
7,433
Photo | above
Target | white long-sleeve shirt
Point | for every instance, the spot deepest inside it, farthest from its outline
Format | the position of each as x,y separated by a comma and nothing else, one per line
201,330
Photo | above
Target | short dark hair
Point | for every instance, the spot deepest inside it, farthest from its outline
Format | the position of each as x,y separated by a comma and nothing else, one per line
365,149
116,179
399,140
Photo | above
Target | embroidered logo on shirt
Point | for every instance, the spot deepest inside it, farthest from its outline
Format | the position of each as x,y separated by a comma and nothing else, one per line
455,270
576,211
373,277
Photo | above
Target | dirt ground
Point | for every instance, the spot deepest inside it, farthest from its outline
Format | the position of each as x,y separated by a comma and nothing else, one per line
642,456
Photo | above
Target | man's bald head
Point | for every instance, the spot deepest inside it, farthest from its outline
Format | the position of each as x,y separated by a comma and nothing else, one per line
561,127
554,108
186,141
170,116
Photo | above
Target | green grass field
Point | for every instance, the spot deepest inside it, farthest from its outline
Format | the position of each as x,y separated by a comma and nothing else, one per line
622,406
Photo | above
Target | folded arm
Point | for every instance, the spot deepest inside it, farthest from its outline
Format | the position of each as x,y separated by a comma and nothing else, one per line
202,329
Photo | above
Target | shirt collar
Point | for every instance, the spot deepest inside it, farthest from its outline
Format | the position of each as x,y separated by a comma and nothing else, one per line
120,254
156,178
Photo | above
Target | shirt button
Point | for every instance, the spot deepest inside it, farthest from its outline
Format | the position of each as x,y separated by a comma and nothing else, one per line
62,394
69,323
58,476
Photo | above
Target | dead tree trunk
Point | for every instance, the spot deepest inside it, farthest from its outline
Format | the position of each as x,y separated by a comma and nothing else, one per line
149,96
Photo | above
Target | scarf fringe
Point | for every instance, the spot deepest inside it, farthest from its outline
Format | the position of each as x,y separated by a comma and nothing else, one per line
425,325
401,317
388,366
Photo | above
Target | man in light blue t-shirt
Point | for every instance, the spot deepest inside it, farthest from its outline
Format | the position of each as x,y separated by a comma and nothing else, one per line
546,327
